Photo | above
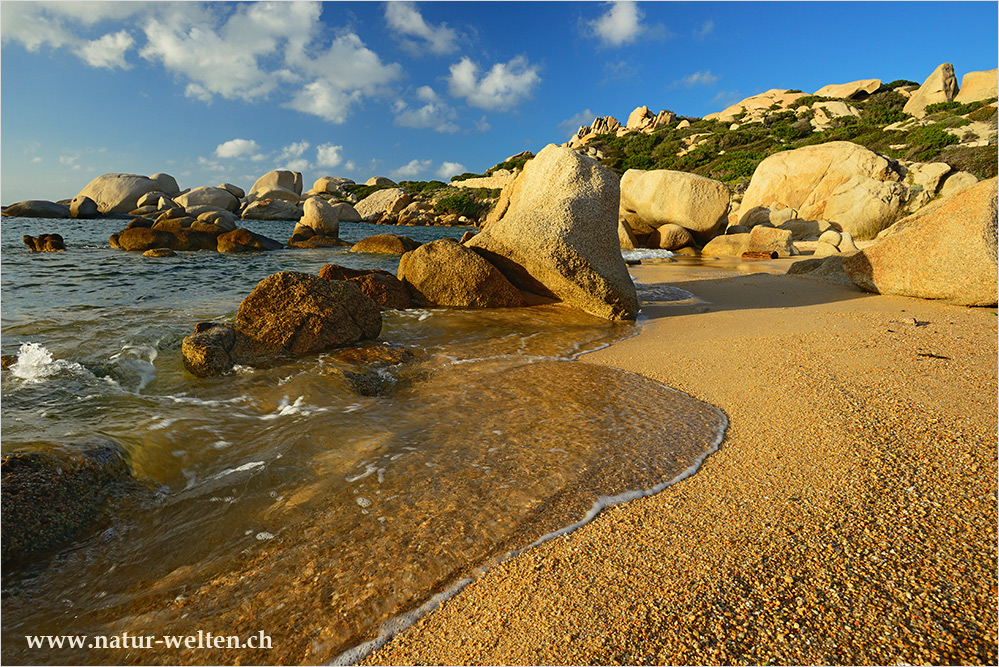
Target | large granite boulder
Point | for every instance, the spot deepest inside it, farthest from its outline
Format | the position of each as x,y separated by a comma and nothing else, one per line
299,313
168,184
49,495
243,240
940,86
37,208
290,182
119,193
386,244
382,202
670,237
854,89
271,209
381,286
381,180
947,252
839,181
320,216
556,235
208,196
346,212
651,199
977,86
333,185
142,239
446,273
83,208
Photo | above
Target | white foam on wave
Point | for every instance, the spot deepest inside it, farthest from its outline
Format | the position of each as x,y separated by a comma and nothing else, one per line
35,364
252,465
646,253
395,625
299,407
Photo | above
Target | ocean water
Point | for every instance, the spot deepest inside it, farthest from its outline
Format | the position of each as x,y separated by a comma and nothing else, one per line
281,500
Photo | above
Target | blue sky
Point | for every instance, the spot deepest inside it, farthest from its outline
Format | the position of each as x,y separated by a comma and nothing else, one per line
214,92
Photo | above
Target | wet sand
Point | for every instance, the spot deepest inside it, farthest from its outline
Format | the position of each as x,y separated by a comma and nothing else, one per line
849,516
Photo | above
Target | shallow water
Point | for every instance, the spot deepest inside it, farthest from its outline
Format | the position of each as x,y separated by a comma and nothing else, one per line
281,500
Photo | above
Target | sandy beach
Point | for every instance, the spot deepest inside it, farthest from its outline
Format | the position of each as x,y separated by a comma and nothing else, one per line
849,516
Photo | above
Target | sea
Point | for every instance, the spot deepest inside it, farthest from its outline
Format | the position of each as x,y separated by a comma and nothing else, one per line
281,501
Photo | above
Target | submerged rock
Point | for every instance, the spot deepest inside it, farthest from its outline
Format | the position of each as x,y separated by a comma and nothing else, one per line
44,243
243,240
287,313
386,244
49,495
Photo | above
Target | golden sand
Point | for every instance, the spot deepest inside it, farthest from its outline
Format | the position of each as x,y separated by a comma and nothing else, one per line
848,517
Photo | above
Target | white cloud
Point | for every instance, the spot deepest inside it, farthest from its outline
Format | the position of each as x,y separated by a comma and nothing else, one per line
236,147
405,19
294,150
328,155
435,114
36,159
411,169
701,78
301,164
325,100
572,124
621,24
503,87
706,29
449,169
108,51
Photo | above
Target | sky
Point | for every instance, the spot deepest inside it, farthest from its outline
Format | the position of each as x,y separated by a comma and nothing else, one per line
224,91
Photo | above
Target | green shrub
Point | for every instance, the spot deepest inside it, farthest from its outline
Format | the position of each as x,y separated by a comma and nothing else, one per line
464,177
982,161
809,100
509,164
421,187
942,106
983,114
362,191
898,83
463,202
883,108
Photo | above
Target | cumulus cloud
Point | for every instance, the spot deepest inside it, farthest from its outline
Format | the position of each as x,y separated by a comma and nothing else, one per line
435,114
701,78
294,150
108,51
405,20
449,169
411,169
502,88
236,148
572,124
247,51
706,29
622,24
328,155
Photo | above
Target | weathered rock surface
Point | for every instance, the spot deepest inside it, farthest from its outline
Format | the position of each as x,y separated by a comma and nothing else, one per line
381,180
446,273
345,212
271,209
386,244
168,184
651,199
381,286
671,237
946,253
208,196
159,252
243,240
854,89
289,181
83,208
838,181
320,216
727,245
383,202
37,208
44,243
770,239
556,235
940,86
977,86
50,495
299,313
120,193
